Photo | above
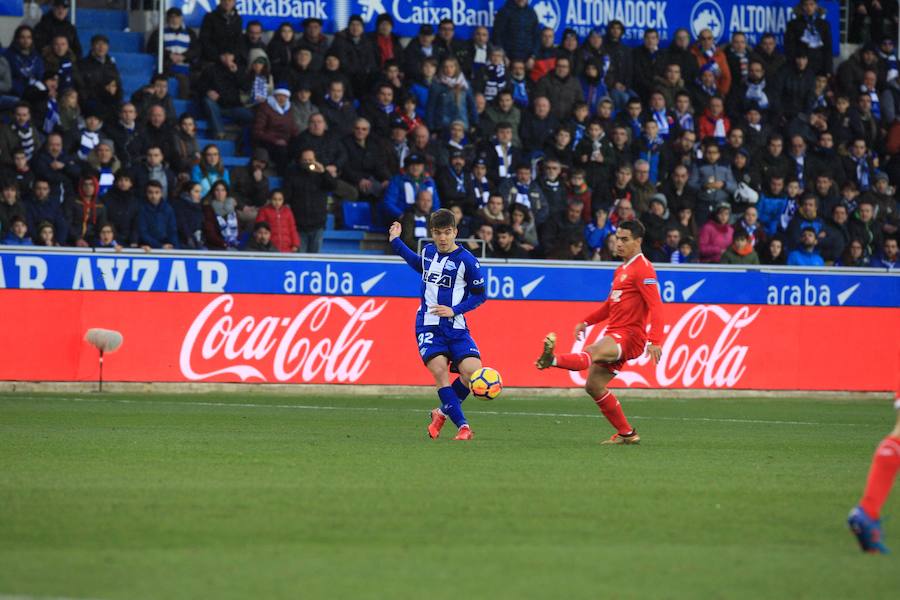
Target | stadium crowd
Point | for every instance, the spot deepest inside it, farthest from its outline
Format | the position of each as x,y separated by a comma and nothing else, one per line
726,153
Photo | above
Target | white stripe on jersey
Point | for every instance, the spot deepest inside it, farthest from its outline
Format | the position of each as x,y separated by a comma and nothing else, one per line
431,291
459,289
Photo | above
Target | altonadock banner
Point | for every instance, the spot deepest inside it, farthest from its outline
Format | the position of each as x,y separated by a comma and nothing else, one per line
258,338
723,17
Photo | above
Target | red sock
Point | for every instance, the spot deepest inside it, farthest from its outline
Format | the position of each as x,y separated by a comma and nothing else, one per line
885,465
578,361
612,410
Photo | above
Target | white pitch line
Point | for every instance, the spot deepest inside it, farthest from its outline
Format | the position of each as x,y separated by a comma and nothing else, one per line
25,597
418,410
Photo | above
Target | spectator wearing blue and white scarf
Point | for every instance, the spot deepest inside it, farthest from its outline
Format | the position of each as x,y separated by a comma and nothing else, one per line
811,31
494,74
89,136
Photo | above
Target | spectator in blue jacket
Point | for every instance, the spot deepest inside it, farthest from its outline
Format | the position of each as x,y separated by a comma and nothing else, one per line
772,204
402,189
596,232
517,29
25,62
42,207
156,220
806,255
888,258
18,233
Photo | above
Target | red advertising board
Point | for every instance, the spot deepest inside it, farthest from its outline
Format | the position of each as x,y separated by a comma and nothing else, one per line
314,339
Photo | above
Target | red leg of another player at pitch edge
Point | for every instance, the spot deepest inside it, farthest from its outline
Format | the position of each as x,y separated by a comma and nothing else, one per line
612,410
885,465
577,361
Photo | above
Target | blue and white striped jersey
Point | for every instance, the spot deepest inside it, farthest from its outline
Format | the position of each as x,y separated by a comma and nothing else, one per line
453,280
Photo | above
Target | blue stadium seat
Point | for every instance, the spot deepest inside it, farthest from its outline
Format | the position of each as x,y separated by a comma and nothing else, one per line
135,63
329,222
132,83
275,182
174,87
342,242
357,215
226,147
234,161
111,20
187,106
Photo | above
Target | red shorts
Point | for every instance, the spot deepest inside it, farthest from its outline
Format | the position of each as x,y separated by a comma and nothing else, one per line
630,346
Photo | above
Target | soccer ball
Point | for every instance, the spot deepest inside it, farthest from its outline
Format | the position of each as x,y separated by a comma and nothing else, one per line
486,383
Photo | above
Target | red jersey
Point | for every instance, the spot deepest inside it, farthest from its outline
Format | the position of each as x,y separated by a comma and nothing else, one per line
635,292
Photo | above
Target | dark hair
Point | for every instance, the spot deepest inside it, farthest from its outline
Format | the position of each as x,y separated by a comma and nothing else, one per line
154,183
517,206
159,77
502,228
441,219
635,227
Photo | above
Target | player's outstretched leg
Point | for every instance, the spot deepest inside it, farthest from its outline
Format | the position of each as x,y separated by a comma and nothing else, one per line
577,361
598,378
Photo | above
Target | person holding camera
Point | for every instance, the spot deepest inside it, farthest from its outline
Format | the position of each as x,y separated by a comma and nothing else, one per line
306,191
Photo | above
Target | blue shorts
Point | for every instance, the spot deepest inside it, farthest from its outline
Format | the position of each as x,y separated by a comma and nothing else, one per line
455,344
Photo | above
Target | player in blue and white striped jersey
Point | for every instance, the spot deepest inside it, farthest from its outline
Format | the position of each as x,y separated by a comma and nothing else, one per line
452,285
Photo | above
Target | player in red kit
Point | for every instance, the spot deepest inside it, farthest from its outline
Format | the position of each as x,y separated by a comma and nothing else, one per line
635,292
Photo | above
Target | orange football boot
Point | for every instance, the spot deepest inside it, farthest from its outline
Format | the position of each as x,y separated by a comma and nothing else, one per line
437,421
465,433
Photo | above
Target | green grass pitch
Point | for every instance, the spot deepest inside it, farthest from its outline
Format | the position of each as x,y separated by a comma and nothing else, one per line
259,496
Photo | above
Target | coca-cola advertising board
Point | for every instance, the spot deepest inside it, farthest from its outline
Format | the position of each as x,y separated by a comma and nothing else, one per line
255,338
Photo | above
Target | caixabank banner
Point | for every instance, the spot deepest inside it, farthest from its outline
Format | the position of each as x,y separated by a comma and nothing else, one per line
254,338
722,17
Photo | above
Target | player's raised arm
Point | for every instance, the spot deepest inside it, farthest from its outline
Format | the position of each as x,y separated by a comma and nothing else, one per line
400,248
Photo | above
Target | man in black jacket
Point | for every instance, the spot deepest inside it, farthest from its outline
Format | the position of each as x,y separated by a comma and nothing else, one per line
56,22
220,31
122,209
97,68
307,194
338,109
222,94
366,167
127,136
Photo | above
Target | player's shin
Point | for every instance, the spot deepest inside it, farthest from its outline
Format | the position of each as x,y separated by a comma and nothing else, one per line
612,410
577,361
450,406
461,389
